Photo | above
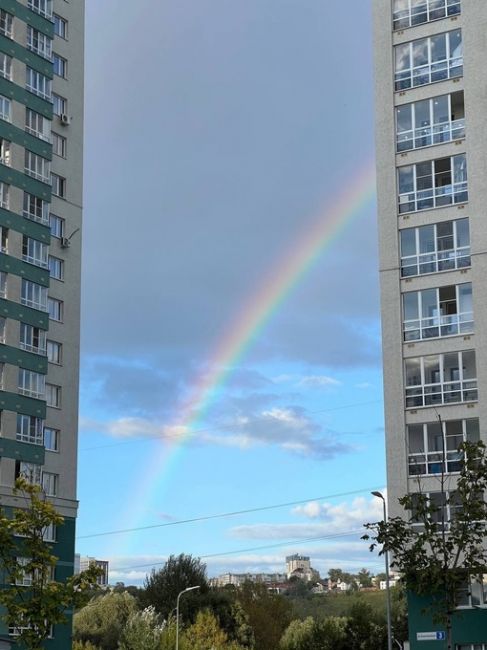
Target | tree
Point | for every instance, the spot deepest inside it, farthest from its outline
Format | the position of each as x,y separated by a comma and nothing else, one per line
101,622
437,557
309,634
364,578
161,587
34,601
142,631
364,630
297,633
335,575
206,634
268,614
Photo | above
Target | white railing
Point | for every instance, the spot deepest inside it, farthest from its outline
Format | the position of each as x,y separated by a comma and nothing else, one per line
35,304
455,258
37,261
429,135
33,348
448,392
426,12
38,134
40,93
429,73
39,176
438,326
34,217
432,463
42,7
434,197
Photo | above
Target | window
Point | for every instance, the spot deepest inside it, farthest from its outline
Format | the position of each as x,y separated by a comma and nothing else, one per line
430,313
2,370
39,42
430,121
3,239
43,7
60,66
25,577
5,108
37,166
50,483
433,184
5,66
433,448
59,145
408,13
4,195
56,268
3,284
441,379
60,105
57,225
439,247
33,295
32,339
49,534
30,429
32,384
36,124
58,185
38,84
36,209
53,396
30,471
473,646
428,60
54,350
60,26
3,323
6,23
51,439
35,252
55,309
5,152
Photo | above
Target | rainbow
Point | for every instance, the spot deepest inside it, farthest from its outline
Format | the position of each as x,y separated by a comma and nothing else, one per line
340,212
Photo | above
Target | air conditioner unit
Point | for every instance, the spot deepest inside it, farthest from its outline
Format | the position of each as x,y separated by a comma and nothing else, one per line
65,119
65,242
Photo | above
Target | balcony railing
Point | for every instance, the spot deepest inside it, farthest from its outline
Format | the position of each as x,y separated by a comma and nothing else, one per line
429,135
44,219
429,73
448,392
448,260
434,197
36,349
426,12
438,326
432,463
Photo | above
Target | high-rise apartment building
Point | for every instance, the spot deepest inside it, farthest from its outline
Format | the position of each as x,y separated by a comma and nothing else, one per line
431,106
41,171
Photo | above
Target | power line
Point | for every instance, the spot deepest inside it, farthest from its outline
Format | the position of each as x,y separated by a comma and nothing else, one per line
228,514
212,430
290,542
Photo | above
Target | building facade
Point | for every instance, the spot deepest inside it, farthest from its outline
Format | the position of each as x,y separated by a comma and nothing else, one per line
431,107
41,181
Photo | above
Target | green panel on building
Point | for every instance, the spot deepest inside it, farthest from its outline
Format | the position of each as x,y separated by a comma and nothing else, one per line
11,264
14,310
26,226
22,451
24,139
21,404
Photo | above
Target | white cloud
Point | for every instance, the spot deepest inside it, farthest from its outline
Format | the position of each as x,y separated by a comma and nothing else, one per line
364,385
319,381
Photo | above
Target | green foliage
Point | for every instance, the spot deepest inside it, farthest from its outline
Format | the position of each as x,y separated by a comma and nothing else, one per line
161,588
297,633
101,622
79,645
434,557
26,557
363,629
364,578
206,634
142,631
309,634
268,614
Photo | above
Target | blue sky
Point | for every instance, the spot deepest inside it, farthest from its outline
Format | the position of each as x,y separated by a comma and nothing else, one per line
215,131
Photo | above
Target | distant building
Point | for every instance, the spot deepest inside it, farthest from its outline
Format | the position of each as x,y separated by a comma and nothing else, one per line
237,579
393,580
299,566
82,563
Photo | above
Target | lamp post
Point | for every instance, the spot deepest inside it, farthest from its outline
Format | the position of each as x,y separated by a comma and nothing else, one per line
184,591
388,591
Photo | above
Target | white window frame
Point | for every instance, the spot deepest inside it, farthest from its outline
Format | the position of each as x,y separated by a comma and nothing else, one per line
39,43
5,66
35,252
4,195
3,325
42,7
439,325
54,351
38,84
60,26
430,462
450,391
37,125
30,429
59,145
30,471
33,295
56,309
6,24
32,384
3,284
40,209
5,108
53,395
60,65
433,71
37,166
54,436
56,268
57,226
59,104
5,152
428,11
58,184
32,338
437,195
437,260
50,483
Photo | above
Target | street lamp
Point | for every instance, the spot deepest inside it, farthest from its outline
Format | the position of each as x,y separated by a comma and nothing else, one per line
388,591
184,591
